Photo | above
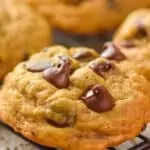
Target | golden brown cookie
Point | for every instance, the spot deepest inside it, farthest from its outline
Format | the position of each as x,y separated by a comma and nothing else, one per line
68,99
22,32
133,39
135,30
86,16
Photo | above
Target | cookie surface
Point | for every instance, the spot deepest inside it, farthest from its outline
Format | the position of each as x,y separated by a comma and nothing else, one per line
22,32
86,16
73,99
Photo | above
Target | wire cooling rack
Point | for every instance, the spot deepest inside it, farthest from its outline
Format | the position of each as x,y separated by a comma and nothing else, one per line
140,142
144,145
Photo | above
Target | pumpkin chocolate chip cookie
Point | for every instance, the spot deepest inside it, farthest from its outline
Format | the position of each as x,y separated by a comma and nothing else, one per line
90,103
22,32
86,16
133,40
135,31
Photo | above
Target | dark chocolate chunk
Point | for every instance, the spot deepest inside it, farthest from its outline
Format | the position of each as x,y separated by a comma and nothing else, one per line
38,65
83,55
59,75
98,99
102,67
112,52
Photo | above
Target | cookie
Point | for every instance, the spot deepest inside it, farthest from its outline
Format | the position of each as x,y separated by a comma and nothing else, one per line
22,32
133,40
135,30
60,99
86,16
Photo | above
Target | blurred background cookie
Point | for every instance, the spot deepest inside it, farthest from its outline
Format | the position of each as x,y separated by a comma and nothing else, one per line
22,32
133,38
135,29
86,16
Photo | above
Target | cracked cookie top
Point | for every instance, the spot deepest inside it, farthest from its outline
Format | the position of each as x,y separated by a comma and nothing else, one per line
74,99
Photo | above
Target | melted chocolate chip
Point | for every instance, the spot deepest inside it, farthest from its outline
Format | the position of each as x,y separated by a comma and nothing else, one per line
58,125
59,75
128,44
83,55
38,66
141,30
98,99
112,52
102,67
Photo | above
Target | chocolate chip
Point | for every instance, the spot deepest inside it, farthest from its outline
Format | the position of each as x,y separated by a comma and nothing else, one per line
128,44
112,52
98,99
83,55
59,75
56,124
141,30
102,67
38,65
